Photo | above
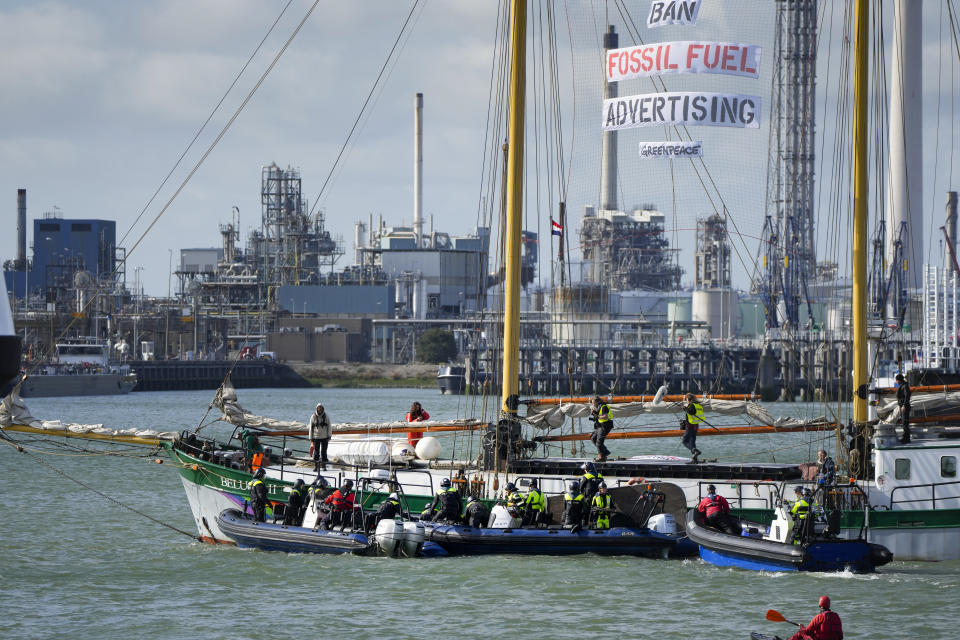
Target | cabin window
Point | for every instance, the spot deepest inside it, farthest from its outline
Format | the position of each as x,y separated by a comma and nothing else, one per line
948,466
901,469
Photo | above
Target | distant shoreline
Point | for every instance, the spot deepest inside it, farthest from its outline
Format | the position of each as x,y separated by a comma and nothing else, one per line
348,375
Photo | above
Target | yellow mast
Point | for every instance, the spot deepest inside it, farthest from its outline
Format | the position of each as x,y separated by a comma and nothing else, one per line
859,302
511,315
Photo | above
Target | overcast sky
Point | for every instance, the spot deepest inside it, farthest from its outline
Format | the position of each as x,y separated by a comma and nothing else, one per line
100,99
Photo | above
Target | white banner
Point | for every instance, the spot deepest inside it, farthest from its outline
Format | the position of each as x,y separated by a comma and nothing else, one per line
682,107
726,58
663,12
671,149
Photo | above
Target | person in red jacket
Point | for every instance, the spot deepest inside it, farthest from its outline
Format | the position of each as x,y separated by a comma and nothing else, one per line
340,503
416,414
824,626
716,511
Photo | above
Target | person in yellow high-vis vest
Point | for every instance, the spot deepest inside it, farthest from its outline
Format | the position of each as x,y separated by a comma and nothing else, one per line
691,424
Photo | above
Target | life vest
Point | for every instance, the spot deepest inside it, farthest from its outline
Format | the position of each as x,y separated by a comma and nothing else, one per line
713,506
602,501
535,501
603,414
515,499
800,509
696,418
340,501
831,629
257,462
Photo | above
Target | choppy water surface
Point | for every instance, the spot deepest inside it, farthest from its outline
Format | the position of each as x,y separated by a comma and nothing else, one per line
77,565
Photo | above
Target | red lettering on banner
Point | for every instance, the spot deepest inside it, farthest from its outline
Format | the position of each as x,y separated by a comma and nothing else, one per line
716,57
743,61
635,61
692,54
729,55
666,59
611,62
647,59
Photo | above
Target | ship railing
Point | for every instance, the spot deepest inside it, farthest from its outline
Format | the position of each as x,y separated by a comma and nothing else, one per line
932,499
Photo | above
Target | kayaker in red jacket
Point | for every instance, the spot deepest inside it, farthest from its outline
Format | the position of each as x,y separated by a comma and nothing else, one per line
416,414
824,626
716,511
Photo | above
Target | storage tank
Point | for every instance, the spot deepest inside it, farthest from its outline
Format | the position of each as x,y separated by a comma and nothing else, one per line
679,310
720,309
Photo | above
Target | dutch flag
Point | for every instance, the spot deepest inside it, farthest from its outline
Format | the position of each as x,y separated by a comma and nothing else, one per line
557,228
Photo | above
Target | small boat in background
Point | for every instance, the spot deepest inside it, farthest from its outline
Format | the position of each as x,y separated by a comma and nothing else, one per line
452,380
80,367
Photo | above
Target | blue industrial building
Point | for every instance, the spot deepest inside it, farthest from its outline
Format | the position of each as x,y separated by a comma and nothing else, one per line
61,248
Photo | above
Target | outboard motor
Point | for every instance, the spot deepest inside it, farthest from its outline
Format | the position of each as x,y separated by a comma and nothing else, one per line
663,523
389,536
413,536
781,529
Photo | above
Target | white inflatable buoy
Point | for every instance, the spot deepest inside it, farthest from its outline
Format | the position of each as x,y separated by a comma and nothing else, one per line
402,451
428,448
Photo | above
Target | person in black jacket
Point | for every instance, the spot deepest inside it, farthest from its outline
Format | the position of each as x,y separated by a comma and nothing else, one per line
293,513
589,481
573,507
258,496
476,514
446,505
903,401
389,508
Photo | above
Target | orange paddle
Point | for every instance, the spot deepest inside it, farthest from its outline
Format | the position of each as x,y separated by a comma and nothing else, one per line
775,616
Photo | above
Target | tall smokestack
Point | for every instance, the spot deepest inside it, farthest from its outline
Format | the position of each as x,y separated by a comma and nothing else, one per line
951,226
418,168
608,152
21,263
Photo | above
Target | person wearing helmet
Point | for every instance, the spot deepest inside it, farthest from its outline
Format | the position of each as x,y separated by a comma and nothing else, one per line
320,490
388,509
514,500
476,514
801,506
446,506
693,416
825,625
534,505
319,437
258,496
716,511
573,506
590,481
293,513
341,505
602,426
601,507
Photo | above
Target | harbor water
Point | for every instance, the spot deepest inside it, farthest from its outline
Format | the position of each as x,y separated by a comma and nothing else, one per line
79,565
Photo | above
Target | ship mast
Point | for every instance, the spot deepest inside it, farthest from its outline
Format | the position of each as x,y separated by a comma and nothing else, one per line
511,311
859,302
